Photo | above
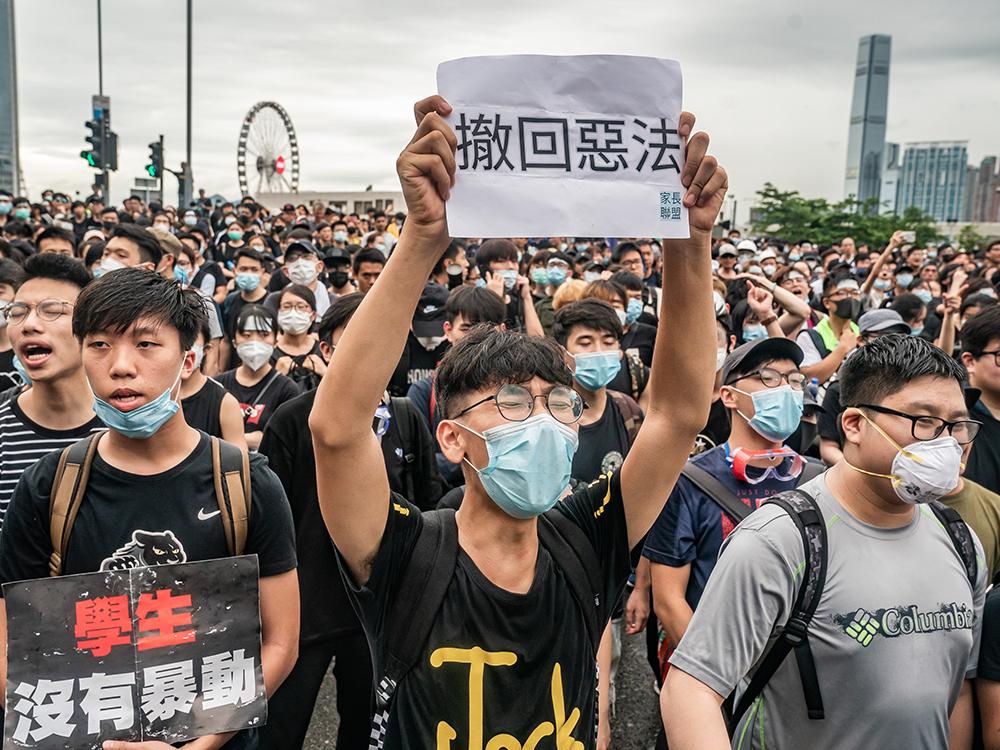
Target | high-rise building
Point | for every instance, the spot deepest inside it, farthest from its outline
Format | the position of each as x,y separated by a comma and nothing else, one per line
981,191
10,168
890,179
933,178
866,135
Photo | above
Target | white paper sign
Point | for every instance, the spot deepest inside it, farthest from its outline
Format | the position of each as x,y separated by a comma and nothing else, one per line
580,146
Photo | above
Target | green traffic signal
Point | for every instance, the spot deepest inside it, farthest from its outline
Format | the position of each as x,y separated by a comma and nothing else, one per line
89,156
151,170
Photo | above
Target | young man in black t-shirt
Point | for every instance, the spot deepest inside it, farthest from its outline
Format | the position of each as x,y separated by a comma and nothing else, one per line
509,626
152,473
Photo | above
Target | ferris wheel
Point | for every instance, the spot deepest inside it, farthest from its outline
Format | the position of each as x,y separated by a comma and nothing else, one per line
267,156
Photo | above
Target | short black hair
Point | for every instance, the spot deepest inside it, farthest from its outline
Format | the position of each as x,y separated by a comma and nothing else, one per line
261,312
57,268
338,315
476,305
120,298
980,329
592,313
887,363
908,306
628,280
299,291
626,247
487,357
450,253
57,233
11,273
976,300
367,256
494,251
247,252
149,247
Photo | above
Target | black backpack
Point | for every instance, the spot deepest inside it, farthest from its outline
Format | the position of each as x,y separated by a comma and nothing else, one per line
808,518
425,580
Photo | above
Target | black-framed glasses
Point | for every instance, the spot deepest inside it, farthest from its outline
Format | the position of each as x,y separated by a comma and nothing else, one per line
515,403
772,378
47,309
926,427
996,356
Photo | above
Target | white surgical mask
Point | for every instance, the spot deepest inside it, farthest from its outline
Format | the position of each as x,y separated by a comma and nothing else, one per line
294,322
302,271
199,354
720,358
108,264
254,354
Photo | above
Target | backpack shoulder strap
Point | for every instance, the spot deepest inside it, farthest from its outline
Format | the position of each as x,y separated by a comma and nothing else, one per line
817,339
631,413
402,413
575,556
722,495
420,592
961,538
231,473
808,519
68,488
638,375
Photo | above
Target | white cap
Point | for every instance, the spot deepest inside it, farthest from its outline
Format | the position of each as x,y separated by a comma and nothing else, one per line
747,245
767,255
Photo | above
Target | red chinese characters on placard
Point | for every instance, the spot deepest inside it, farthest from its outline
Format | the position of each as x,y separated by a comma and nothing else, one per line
162,620
102,624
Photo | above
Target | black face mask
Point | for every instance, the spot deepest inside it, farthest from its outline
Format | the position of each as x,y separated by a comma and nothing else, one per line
339,279
848,309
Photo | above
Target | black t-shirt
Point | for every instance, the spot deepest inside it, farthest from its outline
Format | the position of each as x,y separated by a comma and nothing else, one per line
8,375
989,647
603,445
715,432
258,401
537,642
287,443
127,519
829,418
213,269
232,305
640,339
202,409
416,364
305,378
984,461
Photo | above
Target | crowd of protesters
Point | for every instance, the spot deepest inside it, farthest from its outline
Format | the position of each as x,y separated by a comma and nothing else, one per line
478,464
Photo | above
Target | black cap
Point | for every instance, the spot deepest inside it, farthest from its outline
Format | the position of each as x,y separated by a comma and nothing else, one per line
746,357
429,317
299,246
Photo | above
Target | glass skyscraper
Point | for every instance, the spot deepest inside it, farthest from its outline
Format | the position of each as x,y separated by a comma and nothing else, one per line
933,178
866,136
9,162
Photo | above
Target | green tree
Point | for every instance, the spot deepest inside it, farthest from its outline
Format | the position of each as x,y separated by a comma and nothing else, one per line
822,222
969,239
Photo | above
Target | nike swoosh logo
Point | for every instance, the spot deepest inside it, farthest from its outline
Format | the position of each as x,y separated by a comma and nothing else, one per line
203,516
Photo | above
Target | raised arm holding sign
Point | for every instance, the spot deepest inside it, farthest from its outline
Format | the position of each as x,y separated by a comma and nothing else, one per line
510,421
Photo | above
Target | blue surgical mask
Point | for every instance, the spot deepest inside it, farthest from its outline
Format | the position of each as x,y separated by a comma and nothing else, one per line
181,275
22,214
509,278
777,412
556,276
247,281
540,276
883,284
144,422
235,236
5,207
529,465
340,236
794,257
632,311
595,370
903,280
924,295
753,333
25,377
916,330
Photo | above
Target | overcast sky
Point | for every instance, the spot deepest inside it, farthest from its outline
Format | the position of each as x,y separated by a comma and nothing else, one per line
769,80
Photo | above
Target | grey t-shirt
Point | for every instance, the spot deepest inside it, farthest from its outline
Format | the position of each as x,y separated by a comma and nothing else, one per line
893,636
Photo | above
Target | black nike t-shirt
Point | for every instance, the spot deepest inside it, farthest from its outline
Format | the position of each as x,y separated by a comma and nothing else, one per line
526,659
258,401
130,520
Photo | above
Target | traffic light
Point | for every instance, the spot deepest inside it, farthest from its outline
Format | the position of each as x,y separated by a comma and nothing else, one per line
95,157
155,166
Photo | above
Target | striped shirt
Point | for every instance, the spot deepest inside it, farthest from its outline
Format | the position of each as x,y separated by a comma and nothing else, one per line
22,442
